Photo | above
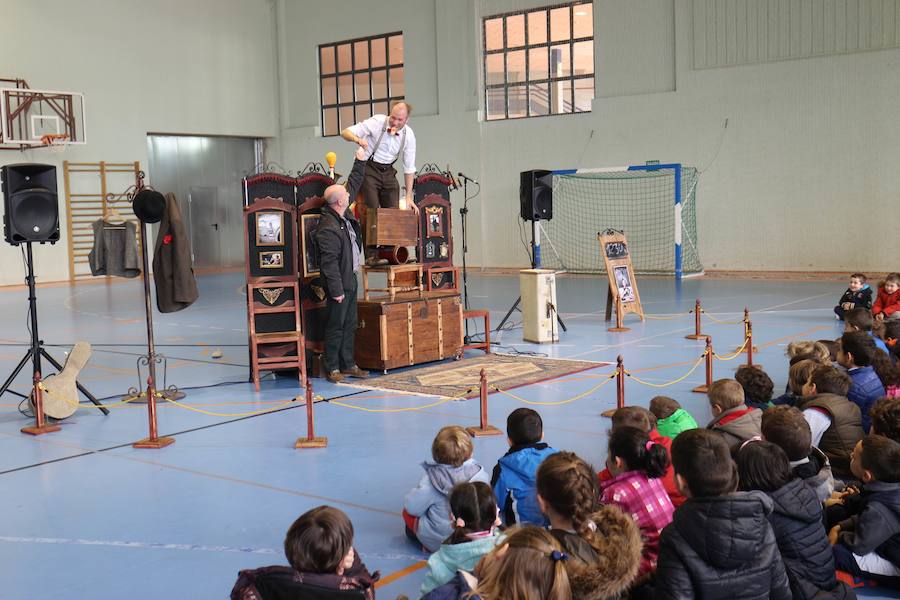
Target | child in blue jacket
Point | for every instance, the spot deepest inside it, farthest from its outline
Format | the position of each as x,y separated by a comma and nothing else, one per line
515,476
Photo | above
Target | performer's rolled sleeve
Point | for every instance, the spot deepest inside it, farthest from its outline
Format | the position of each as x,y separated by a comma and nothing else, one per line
409,152
365,129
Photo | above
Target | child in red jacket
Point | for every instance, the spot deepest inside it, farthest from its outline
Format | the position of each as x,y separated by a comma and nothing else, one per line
887,305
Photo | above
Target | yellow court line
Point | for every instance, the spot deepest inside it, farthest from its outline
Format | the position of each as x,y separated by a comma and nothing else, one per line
389,579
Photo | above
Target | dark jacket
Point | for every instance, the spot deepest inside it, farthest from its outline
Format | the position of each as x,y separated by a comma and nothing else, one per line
515,483
721,548
737,424
333,247
816,473
284,583
865,389
860,299
877,527
173,272
845,431
800,534
455,589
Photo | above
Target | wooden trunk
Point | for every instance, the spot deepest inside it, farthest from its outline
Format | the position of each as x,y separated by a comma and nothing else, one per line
391,227
408,330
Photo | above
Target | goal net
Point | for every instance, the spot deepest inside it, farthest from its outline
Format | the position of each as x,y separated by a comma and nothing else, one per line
642,202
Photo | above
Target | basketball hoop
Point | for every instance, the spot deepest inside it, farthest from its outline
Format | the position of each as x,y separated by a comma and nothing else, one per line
57,142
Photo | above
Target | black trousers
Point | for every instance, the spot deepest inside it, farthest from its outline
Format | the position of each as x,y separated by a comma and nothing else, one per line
340,331
380,187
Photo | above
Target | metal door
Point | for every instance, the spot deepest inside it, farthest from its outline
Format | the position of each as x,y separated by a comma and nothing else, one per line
205,222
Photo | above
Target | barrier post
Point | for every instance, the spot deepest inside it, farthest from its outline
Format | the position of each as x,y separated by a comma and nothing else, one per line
620,382
749,344
697,335
619,317
702,389
484,428
153,441
40,425
310,441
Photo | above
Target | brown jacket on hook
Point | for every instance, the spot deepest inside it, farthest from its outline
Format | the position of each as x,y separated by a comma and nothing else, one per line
173,273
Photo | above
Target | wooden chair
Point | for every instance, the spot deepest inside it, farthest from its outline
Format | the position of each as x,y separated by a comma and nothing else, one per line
275,350
486,344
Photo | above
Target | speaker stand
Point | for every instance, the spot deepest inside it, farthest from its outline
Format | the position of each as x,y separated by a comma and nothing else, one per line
535,264
36,351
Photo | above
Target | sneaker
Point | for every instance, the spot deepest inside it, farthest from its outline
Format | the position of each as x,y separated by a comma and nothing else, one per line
334,376
355,371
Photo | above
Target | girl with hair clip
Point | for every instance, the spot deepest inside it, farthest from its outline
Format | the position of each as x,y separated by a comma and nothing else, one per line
475,518
527,565
637,464
603,546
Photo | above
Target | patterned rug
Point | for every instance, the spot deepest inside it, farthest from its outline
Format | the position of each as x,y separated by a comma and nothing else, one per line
456,379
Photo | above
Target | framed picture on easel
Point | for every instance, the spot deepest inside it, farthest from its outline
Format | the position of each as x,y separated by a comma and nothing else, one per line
622,291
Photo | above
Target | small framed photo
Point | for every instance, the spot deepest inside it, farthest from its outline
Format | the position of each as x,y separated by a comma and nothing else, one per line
623,283
270,228
434,216
271,260
430,250
308,225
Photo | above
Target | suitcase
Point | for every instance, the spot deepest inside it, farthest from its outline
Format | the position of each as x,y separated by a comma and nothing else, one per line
409,330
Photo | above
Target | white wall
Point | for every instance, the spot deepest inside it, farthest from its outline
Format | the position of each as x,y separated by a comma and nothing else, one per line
174,66
805,176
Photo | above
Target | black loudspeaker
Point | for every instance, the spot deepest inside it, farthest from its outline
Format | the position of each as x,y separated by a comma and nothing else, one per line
30,203
536,195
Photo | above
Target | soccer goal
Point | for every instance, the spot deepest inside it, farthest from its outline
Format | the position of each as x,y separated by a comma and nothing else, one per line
655,205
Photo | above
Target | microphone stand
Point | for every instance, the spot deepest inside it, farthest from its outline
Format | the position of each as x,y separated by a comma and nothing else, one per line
464,212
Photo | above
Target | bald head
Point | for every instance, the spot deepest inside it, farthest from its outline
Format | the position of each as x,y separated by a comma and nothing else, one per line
399,115
336,196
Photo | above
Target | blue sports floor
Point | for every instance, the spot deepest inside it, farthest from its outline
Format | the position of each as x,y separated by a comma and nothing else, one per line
84,515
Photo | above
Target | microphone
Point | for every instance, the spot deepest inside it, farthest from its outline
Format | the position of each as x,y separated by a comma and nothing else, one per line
468,178
454,183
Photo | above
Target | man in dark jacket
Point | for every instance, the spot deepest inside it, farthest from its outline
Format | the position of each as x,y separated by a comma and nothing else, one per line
339,244
720,543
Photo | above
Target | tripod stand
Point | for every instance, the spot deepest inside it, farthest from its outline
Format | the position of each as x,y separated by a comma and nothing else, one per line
464,213
36,351
535,264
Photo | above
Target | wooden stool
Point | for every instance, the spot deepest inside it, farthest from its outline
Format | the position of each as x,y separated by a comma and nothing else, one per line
486,344
393,285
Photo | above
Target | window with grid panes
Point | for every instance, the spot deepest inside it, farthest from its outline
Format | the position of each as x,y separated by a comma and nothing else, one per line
359,78
539,62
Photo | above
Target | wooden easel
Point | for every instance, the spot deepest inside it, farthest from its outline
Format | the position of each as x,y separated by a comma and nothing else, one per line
622,288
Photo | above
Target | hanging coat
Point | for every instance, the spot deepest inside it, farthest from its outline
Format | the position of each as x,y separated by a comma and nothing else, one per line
176,288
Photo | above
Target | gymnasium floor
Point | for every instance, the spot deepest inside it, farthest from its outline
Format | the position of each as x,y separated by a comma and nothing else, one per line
87,516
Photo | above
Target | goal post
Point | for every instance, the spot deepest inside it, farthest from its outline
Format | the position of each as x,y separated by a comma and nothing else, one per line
654,204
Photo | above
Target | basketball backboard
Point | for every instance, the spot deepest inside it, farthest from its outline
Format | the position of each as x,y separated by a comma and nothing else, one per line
29,115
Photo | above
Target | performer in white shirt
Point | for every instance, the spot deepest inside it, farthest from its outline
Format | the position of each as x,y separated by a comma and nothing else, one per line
386,138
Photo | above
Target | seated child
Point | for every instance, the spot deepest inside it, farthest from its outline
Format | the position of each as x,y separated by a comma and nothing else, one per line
514,475
859,319
887,304
426,507
835,423
636,464
885,416
731,417
671,419
635,416
567,494
757,386
319,548
719,544
867,544
473,515
855,354
798,375
528,564
887,366
858,295
785,427
796,521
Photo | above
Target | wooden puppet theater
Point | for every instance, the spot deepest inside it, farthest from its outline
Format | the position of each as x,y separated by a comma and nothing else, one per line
410,308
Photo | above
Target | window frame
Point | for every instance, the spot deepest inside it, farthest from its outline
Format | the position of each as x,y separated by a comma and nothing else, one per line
527,83
369,70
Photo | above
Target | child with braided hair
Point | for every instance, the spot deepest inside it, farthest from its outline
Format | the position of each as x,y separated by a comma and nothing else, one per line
637,463
474,516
